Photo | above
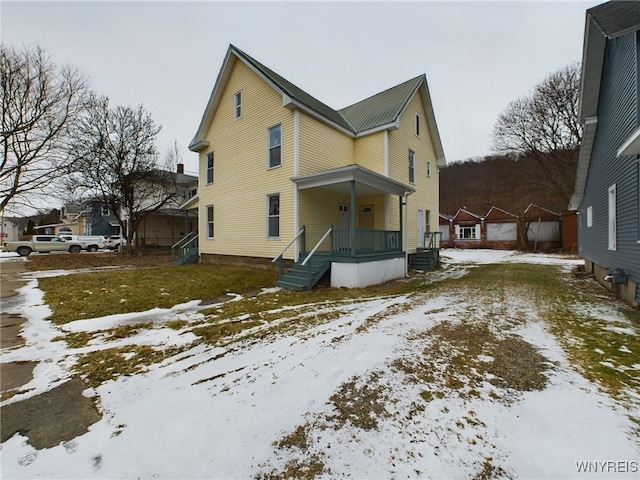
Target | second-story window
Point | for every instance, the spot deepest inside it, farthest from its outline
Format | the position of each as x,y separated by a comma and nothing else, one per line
237,105
412,167
275,147
210,167
428,169
105,211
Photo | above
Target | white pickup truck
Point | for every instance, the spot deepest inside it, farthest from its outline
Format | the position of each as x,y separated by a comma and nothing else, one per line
42,244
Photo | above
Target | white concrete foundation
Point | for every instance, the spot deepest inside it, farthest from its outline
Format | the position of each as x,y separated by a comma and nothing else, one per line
367,273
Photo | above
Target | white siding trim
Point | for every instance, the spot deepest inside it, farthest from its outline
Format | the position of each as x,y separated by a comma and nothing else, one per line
296,172
296,142
386,153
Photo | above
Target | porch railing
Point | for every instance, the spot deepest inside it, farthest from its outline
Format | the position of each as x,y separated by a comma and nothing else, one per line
186,249
278,258
434,240
367,242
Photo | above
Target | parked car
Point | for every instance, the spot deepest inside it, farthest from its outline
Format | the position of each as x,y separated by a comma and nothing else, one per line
90,243
113,242
42,244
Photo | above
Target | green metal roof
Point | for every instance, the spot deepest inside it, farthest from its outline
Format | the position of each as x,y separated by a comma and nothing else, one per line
382,108
378,111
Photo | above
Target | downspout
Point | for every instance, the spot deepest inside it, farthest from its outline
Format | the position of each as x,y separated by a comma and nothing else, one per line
296,172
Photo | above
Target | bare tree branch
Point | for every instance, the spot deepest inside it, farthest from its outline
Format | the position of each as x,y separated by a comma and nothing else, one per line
116,163
544,126
40,104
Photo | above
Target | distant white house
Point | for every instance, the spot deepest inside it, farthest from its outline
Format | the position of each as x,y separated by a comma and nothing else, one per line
9,231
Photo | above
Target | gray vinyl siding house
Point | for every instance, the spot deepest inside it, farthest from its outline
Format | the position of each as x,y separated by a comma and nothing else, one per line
607,196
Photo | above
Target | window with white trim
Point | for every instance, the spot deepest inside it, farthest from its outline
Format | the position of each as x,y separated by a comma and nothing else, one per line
417,127
275,146
210,167
589,217
428,169
273,216
613,229
210,221
237,105
104,210
412,166
468,233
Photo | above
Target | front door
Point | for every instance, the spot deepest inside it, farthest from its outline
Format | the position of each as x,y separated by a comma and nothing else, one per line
420,223
366,217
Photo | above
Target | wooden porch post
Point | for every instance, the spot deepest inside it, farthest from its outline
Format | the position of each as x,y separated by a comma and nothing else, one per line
352,226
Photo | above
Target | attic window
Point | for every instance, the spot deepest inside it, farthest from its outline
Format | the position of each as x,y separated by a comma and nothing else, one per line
237,105
417,124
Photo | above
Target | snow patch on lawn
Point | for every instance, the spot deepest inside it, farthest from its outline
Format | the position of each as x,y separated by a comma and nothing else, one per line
231,411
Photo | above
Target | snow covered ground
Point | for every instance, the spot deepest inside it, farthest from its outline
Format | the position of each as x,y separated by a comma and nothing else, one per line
268,407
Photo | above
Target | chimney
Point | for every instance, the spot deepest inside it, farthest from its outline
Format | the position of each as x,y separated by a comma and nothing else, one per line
181,168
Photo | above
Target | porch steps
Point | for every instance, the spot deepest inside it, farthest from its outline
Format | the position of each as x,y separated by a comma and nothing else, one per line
301,277
424,259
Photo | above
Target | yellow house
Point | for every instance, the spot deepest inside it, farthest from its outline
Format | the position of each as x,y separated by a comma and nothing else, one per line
282,176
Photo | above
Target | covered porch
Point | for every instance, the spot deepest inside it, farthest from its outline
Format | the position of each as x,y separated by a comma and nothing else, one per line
349,222
355,206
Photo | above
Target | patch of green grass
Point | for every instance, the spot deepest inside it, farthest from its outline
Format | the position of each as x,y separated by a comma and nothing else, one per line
97,260
176,324
75,339
213,333
128,330
96,294
104,365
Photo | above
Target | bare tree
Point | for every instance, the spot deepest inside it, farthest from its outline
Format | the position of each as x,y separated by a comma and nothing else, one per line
544,126
40,103
117,164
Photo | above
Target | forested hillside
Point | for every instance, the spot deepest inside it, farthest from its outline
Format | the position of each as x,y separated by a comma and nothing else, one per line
510,183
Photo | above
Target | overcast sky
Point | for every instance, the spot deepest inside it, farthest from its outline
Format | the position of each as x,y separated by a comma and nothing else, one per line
478,56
